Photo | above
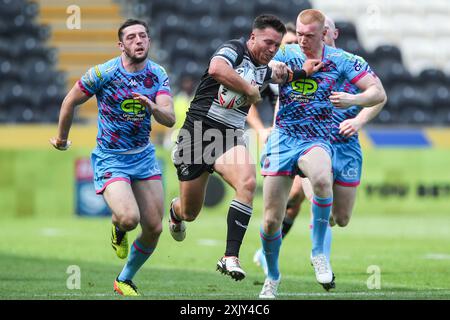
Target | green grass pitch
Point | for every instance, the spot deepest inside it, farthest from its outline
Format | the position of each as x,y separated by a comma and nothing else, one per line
411,254
407,240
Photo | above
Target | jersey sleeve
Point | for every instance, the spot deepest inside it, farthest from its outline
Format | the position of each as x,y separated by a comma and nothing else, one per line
92,81
231,51
164,85
354,67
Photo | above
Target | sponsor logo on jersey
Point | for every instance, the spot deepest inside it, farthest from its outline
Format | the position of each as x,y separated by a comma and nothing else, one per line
133,109
148,82
133,83
351,173
357,65
228,53
184,170
305,87
88,78
98,73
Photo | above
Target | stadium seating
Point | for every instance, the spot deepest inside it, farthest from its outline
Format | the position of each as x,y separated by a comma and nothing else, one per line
31,89
413,61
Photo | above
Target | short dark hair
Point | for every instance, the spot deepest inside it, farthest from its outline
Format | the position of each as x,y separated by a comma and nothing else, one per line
264,21
130,22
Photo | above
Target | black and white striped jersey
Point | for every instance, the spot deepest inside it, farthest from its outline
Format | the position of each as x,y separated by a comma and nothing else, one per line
205,106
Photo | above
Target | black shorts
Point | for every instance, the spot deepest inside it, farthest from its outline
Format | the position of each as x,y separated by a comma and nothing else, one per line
199,146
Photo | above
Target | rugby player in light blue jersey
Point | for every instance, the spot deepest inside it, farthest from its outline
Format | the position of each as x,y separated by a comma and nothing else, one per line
300,142
347,162
130,89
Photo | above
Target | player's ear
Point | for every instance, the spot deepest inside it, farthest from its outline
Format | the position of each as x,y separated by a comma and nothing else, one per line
120,45
336,34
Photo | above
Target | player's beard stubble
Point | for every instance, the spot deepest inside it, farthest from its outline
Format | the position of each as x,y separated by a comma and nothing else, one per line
134,58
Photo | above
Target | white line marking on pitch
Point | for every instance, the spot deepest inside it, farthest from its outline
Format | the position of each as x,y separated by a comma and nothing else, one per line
209,242
437,256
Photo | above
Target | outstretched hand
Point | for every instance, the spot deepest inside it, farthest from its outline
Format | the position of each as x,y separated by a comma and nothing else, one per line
254,97
60,144
311,66
280,71
349,127
146,102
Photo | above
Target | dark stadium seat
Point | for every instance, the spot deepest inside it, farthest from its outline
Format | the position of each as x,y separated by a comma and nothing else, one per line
172,27
346,29
386,116
268,6
442,117
391,73
411,104
163,5
295,6
434,76
183,49
228,9
197,8
30,10
205,28
439,95
415,115
388,52
10,71
10,8
351,45
241,26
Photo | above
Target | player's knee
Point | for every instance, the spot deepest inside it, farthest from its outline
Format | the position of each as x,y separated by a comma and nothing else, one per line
271,224
129,223
247,188
189,215
153,229
322,185
342,221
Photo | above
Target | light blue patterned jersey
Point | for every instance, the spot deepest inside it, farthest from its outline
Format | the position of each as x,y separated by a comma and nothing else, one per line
305,109
123,123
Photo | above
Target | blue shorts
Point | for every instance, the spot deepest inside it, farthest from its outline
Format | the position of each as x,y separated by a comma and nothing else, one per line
347,164
282,152
110,167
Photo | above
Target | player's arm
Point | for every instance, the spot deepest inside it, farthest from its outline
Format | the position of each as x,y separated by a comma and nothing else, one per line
74,98
281,73
223,73
372,93
162,109
349,127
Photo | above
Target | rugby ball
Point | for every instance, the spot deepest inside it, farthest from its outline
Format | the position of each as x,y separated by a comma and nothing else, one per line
230,99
